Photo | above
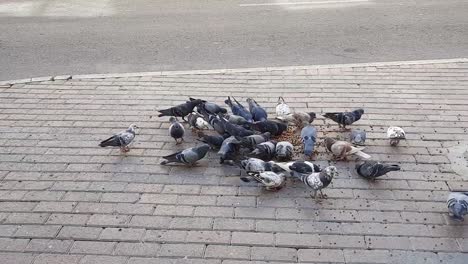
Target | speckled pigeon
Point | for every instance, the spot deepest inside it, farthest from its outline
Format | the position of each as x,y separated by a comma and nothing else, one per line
121,139
187,156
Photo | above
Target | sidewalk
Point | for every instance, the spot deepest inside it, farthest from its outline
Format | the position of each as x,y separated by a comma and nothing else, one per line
65,200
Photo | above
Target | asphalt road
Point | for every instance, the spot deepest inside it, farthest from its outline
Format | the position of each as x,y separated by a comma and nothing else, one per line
39,38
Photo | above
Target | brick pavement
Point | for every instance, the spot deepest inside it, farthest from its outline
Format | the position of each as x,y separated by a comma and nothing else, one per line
65,200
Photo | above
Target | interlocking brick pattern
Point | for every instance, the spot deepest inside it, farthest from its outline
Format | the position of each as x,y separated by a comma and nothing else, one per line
65,200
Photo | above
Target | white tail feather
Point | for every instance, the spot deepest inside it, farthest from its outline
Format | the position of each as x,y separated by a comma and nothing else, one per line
362,155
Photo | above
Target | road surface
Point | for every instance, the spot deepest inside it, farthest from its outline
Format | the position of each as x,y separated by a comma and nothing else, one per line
40,38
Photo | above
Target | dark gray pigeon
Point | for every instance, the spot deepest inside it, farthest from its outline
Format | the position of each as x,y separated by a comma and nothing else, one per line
265,150
284,150
181,110
373,169
258,113
176,130
121,139
210,107
273,127
251,141
296,168
228,149
236,120
214,121
215,141
457,203
345,118
358,137
235,130
187,156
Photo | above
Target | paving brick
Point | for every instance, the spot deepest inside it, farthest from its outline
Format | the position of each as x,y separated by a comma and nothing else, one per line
17,206
208,237
158,198
366,256
181,250
108,220
214,211
64,207
122,234
120,197
171,236
26,218
48,245
82,196
228,252
261,213
67,219
92,259
150,221
137,249
237,201
250,238
172,210
320,255
272,253
9,244
79,233
397,257
16,258
234,224
434,244
56,259
37,231
43,196
381,242
341,241
297,240
453,258
192,223
92,247
219,190
138,209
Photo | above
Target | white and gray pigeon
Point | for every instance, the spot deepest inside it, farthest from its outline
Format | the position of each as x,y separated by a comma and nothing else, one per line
296,168
121,139
256,165
318,180
196,120
187,156
176,130
282,109
358,137
253,140
284,151
271,180
457,203
342,149
373,169
395,134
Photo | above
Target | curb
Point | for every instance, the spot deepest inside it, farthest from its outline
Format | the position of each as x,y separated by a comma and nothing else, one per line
224,71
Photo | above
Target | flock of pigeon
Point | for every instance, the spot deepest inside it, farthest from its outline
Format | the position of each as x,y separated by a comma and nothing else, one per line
245,138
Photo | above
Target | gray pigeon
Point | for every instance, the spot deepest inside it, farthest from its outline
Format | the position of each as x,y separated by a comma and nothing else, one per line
309,137
209,107
121,139
228,149
457,203
265,150
318,180
271,180
258,113
257,165
176,130
284,150
251,141
215,141
234,130
236,120
373,169
358,137
187,156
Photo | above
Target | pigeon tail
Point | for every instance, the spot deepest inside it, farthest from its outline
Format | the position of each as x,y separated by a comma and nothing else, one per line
110,142
228,101
169,159
362,155
165,112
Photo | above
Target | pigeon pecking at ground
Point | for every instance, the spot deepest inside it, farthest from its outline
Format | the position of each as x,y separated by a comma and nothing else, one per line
235,130
309,137
209,107
342,149
299,119
258,165
236,120
258,113
181,110
187,156
358,137
271,180
215,141
457,203
121,139
295,168
273,127
284,151
373,169
265,150
345,118
197,121
228,149
253,140
176,130
395,134
318,180
238,109
282,109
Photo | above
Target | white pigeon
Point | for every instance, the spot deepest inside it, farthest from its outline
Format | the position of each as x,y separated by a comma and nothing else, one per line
395,134
282,109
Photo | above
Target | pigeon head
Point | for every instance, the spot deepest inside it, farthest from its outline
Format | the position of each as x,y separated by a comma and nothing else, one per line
312,115
172,119
358,112
281,100
132,128
329,173
394,141
457,211
223,110
329,142
202,124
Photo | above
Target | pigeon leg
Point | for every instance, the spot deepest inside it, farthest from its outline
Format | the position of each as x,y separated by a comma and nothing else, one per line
324,196
125,149
177,141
